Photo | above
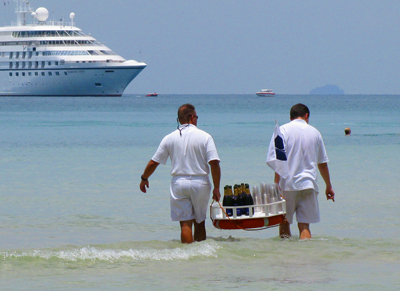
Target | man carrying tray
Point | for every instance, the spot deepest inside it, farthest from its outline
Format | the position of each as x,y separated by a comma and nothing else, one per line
295,152
191,151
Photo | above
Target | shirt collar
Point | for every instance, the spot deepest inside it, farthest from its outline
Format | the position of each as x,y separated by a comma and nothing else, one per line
186,125
299,120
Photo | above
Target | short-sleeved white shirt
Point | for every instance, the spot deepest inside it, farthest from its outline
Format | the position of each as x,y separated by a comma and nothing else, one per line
189,153
305,150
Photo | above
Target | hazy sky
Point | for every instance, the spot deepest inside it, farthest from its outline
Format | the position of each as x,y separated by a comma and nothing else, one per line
242,46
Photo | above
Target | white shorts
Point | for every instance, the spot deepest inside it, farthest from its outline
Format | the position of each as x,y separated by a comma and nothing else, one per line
304,203
189,198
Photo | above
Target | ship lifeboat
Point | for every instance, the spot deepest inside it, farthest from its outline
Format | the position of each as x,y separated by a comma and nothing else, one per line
260,216
250,223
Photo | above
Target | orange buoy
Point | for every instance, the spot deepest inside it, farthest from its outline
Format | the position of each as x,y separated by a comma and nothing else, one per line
263,222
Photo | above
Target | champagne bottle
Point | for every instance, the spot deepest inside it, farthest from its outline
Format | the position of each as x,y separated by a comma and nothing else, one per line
236,200
228,201
248,200
242,199
225,199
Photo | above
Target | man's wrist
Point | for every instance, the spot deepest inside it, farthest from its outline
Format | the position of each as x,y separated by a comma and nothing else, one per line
144,179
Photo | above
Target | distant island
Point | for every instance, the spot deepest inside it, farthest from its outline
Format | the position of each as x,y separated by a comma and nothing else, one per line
327,90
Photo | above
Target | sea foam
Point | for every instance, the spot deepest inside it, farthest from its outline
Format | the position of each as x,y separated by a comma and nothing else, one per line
184,252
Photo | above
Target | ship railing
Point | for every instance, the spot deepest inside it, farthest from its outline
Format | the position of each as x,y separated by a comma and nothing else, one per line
71,45
51,33
97,61
62,24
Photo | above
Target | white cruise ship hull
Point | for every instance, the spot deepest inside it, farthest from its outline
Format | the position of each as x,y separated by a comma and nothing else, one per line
82,81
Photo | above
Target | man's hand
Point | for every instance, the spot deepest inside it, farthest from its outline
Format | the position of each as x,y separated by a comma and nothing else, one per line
330,194
216,194
144,185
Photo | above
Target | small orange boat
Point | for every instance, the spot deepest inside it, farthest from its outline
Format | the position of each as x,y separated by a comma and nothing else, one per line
154,94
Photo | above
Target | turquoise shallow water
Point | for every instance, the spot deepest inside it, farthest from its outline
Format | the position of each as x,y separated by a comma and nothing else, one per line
72,215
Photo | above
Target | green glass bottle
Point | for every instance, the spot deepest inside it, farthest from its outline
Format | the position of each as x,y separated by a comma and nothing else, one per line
236,200
249,199
242,198
228,200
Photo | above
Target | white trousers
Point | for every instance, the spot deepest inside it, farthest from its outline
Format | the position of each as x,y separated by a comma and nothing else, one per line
189,198
304,203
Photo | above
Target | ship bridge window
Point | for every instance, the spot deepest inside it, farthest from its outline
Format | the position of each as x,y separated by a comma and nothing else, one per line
36,74
65,53
23,74
50,74
16,74
68,42
15,43
109,53
65,73
57,73
43,74
10,74
98,84
110,71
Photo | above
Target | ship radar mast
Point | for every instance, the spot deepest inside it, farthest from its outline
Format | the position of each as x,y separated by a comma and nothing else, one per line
23,8
72,16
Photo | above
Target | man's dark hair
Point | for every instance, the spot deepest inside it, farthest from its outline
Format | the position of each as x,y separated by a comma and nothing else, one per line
184,112
299,110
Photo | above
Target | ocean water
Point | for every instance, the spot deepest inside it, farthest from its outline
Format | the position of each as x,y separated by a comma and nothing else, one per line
72,216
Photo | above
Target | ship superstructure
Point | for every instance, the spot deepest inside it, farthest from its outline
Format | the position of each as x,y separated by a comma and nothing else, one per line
55,58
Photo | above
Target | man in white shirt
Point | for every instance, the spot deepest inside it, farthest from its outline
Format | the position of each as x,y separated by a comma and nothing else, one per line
305,152
191,151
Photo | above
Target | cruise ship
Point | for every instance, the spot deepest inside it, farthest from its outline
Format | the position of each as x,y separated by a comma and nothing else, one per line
54,58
